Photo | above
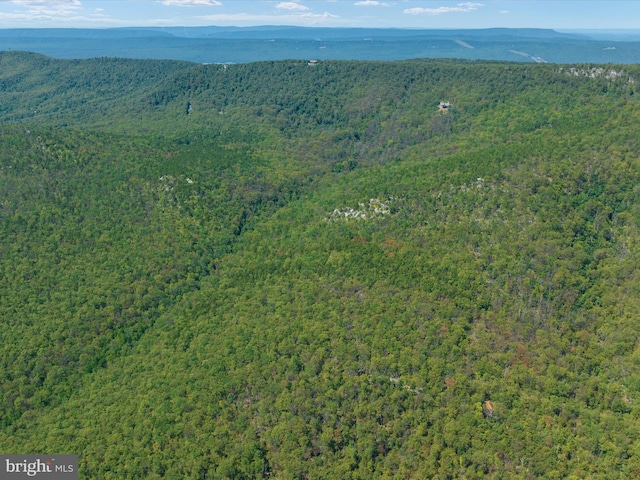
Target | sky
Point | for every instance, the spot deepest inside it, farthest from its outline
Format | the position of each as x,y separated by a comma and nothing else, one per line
561,15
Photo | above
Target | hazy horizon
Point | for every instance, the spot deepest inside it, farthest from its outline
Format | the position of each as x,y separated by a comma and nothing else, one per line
405,14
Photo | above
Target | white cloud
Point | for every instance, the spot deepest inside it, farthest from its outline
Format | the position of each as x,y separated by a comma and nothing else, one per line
44,20
192,3
48,9
371,3
50,3
461,7
292,6
318,16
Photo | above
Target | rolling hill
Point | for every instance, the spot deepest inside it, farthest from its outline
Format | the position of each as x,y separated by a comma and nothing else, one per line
285,270
251,44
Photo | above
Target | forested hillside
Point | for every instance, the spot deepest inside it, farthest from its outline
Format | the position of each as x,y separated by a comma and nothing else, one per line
285,270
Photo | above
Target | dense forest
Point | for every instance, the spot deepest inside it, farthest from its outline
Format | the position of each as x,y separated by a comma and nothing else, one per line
351,270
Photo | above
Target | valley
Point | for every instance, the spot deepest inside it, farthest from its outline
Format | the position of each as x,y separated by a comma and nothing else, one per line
282,270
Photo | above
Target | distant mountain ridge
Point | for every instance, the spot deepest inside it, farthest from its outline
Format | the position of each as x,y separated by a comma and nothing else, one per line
213,44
